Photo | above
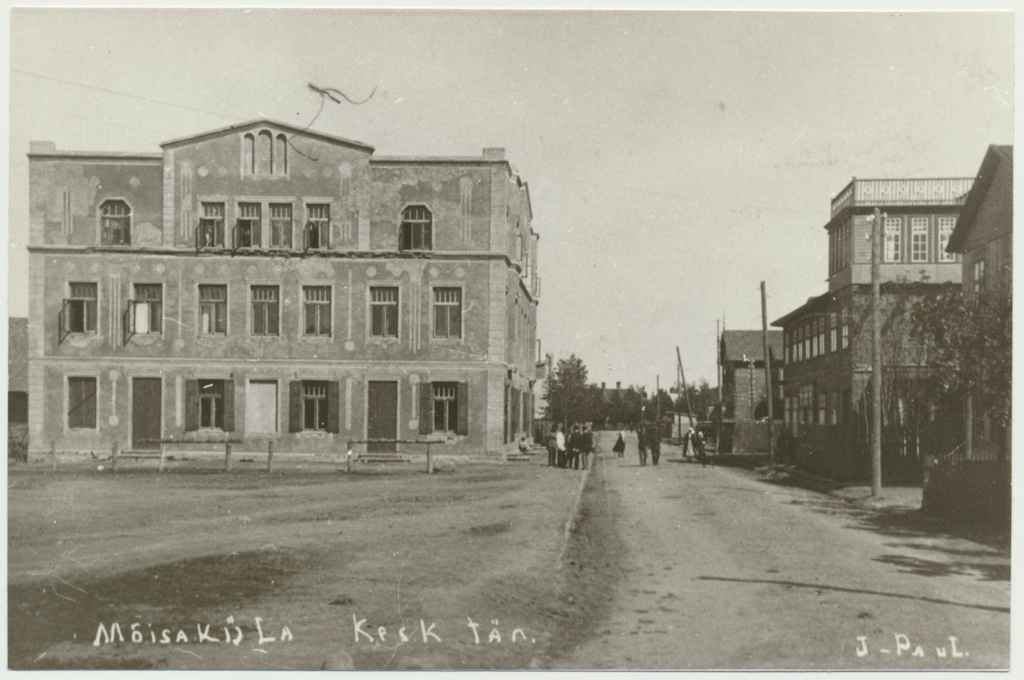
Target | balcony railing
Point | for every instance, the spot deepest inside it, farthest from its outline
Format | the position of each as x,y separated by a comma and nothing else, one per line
882,192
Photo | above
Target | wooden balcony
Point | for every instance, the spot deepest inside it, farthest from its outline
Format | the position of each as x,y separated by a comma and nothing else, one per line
883,192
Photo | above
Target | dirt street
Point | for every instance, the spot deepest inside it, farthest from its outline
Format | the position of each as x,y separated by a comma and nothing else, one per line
722,570
385,568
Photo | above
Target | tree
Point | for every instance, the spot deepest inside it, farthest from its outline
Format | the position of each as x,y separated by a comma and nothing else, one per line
971,339
569,397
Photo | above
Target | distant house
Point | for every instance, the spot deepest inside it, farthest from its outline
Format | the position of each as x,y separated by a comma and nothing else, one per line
984,239
17,371
741,355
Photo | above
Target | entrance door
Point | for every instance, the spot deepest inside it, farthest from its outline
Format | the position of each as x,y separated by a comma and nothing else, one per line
382,416
146,417
261,406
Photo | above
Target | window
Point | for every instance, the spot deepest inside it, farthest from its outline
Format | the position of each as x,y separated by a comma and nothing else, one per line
946,225
213,310
281,155
116,223
318,228
211,226
832,347
265,310
146,311
280,225
211,404
314,405
446,413
444,408
384,312
317,310
919,239
416,230
846,331
979,276
447,312
893,226
247,230
82,403
263,154
79,312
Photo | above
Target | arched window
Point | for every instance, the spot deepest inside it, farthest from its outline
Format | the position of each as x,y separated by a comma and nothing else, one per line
416,232
116,223
248,155
281,156
264,154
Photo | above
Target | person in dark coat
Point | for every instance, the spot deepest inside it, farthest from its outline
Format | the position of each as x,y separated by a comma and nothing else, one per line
641,442
654,442
574,448
620,444
586,445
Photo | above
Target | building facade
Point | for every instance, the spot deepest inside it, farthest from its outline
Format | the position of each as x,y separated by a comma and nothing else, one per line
827,341
741,356
265,283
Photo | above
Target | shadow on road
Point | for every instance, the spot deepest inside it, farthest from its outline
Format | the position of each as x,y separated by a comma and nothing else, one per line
822,588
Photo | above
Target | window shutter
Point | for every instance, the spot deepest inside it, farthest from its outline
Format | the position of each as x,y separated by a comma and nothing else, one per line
295,406
257,237
462,402
426,408
455,329
273,322
229,405
191,405
334,406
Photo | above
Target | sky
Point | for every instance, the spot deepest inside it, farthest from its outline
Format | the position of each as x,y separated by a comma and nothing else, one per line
675,159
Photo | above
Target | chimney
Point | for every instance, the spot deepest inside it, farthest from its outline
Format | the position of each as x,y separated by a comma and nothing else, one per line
602,387
42,147
494,153
618,385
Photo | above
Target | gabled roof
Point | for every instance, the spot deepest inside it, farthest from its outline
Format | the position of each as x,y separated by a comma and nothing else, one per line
17,354
266,122
994,157
737,344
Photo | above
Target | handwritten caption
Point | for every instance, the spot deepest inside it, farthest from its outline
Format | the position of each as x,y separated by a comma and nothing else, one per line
904,647
428,633
233,634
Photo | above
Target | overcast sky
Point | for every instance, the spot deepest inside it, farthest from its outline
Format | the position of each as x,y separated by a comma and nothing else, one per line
675,159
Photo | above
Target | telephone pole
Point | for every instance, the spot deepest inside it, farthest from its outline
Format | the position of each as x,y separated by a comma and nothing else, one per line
876,355
686,392
767,375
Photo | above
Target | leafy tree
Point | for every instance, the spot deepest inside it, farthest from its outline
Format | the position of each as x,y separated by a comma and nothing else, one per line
971,338
569,396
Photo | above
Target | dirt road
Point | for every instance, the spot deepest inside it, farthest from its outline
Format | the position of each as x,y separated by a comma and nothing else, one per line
721,570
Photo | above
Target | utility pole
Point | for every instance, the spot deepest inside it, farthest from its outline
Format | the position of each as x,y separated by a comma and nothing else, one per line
718,353
767,375
657,404
689,409
876,354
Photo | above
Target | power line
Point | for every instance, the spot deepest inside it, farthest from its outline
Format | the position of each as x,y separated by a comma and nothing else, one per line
618,187
124,94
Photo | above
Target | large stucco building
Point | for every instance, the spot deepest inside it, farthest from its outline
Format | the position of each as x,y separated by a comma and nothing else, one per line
827,340
264,283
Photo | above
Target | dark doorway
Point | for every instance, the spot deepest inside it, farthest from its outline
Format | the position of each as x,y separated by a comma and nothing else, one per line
382,416
146,417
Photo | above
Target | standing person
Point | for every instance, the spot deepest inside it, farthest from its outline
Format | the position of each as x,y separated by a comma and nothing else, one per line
641,442
655,444
586,445
698,446
574,448
552,445
559,446
688,443
620,444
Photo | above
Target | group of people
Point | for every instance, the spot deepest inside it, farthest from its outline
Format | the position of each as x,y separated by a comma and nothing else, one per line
648,439
570,451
